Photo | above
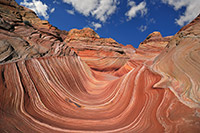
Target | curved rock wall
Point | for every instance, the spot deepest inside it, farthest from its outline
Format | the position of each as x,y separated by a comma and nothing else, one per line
59,81
180,66
60,94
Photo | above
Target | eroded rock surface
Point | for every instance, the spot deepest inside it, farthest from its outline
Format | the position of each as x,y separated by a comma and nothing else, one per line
97,52
59,81
179,64
23,35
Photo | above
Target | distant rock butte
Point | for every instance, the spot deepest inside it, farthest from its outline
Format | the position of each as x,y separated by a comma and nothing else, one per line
154,39
76,81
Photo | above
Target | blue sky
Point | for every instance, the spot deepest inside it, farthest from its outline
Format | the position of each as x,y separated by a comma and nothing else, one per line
126,21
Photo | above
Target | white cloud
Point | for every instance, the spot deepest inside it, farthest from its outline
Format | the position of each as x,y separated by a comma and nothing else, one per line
105,9
142,28
38,7
83,6
52,10
96,25
56,2
135,9
100,9
70,12
192,9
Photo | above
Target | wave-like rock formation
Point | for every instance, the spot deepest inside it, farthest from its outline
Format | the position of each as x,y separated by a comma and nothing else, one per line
59,81
179,64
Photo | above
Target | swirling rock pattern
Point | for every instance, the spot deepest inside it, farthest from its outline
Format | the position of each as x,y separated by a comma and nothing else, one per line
60,94
179,64
57,81
23,35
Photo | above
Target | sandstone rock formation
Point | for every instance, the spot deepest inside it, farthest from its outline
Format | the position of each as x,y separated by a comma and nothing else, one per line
59,81
179,64
23,35
97,52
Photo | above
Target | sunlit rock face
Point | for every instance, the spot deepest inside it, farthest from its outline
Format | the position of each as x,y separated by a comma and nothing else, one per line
98,53
23,35
58,81
179,64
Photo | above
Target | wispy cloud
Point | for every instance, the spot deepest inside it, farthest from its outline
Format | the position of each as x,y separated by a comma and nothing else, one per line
100,9
142,28
38,7
56,2
152,21
192,9
96,25
140,8
70,12
52,10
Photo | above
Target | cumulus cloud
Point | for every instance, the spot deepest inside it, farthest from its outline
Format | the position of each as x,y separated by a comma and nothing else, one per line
96,25
83,6
100,9
38,7
142,28
104,9
140,8
192,9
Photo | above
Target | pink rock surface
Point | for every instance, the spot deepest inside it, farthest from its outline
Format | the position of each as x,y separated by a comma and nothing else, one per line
179,64
59,81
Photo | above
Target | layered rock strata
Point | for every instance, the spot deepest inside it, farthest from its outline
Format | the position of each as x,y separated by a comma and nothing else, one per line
23,35
179,64
97,52
58,81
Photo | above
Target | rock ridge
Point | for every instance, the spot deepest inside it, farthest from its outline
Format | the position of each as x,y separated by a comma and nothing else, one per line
60,81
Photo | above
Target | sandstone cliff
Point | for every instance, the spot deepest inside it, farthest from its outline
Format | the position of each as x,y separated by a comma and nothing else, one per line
76,81
179,64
